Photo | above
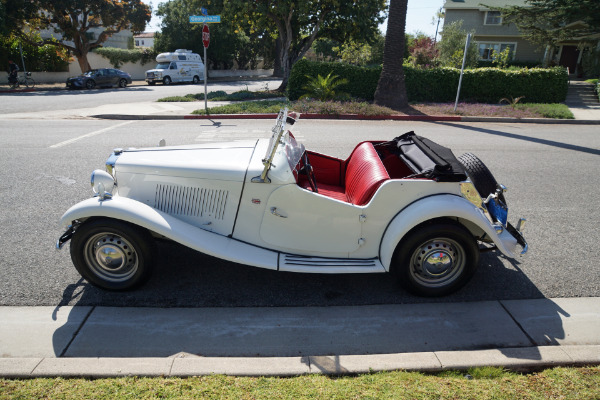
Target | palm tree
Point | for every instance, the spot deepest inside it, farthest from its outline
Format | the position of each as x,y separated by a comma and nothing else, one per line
391,89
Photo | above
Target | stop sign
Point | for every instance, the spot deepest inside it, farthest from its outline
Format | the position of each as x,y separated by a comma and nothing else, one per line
205,36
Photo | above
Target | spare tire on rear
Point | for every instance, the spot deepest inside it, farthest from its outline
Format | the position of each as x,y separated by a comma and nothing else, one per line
480,175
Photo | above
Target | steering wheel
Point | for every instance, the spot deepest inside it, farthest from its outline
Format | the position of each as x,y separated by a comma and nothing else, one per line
308,169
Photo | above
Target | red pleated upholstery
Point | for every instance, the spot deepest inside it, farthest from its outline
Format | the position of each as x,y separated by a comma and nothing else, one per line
364,174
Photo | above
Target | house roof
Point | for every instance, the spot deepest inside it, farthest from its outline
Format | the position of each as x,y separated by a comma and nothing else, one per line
145,35
481,5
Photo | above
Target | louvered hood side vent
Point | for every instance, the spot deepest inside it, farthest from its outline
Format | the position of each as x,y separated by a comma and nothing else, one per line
191,201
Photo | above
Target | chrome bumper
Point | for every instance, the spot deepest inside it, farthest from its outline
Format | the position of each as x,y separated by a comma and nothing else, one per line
517,233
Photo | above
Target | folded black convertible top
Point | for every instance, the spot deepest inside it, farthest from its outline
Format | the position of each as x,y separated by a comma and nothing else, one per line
429,159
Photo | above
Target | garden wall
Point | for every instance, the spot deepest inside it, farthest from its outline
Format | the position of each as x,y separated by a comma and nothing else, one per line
136,70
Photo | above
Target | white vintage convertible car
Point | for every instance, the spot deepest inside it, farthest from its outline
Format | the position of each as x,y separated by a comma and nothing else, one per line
405,206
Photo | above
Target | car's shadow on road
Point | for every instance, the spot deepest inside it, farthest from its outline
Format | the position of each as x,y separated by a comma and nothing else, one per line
185,278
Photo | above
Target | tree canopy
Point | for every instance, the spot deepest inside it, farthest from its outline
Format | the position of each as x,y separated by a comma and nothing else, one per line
551,21
72,21
227,43
297,24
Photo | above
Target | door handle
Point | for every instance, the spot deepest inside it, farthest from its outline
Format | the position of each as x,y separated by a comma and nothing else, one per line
275,213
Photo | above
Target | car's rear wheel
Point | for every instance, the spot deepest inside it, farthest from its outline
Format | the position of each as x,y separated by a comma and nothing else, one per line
196,80
436,259
123,83
166,80
90,84
112,254
480,175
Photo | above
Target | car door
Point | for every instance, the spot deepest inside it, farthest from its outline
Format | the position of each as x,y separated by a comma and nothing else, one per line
302,222
101,77
112,78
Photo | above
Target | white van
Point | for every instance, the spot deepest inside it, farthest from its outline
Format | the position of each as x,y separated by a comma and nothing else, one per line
179,66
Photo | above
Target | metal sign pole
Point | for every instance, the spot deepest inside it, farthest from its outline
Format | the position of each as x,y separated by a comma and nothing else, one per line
205,79
205,43
462,70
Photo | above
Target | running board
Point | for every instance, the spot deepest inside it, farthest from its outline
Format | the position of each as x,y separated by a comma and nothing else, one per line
307,264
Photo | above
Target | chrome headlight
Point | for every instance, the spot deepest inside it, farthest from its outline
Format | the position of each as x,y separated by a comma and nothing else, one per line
103,184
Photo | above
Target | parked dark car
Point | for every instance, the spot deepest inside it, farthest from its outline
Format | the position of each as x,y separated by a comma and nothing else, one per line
100,77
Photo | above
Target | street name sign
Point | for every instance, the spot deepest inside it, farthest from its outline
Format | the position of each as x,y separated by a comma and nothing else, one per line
205,19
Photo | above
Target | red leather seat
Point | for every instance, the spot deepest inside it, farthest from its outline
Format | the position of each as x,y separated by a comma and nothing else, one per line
364,174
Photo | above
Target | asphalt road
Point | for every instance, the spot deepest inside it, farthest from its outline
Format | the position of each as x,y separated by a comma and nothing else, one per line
551,172
63,99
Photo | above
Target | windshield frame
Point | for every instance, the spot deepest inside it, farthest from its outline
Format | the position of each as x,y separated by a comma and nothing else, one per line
279,136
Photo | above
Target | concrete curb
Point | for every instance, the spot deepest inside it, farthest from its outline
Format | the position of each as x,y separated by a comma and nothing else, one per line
353,117
185,365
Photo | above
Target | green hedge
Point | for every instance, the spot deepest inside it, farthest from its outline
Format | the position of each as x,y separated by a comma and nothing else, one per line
117,56
482,85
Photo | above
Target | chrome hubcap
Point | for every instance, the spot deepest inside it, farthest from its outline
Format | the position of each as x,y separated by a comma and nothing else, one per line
111,257
437,262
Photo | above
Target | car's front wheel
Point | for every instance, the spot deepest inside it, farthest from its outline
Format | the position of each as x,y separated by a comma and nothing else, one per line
112,254
166,80
123,83
436,259
90,84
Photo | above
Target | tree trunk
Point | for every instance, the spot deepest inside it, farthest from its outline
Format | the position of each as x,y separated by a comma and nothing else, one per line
391,88
83,63
277,67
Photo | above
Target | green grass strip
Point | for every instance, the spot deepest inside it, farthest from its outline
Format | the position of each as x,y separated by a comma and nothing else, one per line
247,107
479,383
219,95
556,111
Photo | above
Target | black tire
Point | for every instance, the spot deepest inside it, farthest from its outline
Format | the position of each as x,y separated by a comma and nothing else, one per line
167,80
435,259
90,84
480,175
151,83
112,254
196,80
123,83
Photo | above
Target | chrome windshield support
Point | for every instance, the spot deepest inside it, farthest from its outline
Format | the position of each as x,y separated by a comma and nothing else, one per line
278,132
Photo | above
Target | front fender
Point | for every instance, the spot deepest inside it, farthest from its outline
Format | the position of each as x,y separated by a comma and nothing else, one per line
140,214
440,206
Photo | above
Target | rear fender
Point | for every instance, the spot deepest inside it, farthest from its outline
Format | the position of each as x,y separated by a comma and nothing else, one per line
440,206
142,215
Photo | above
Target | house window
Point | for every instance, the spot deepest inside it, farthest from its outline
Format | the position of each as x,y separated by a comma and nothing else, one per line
137,42
487,50
493,18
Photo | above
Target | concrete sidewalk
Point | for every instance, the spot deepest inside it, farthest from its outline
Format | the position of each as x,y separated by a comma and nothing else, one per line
107,341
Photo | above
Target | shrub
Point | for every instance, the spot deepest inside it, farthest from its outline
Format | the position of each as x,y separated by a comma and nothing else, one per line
324,88
48,58
361,84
